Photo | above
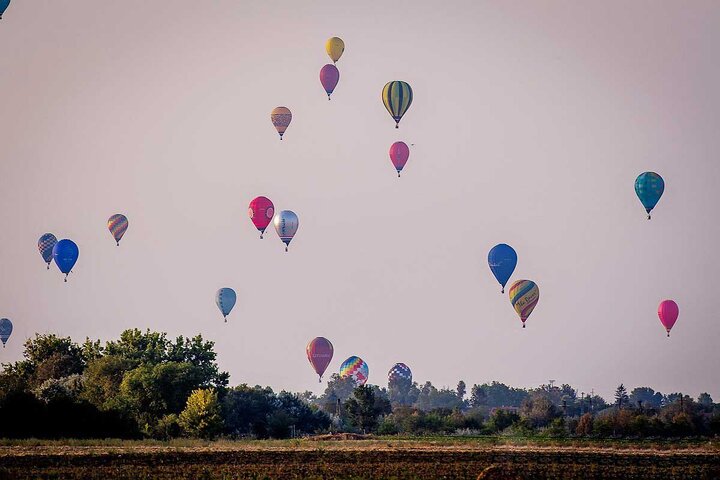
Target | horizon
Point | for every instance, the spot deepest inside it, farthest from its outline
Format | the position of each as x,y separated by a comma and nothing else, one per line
530,123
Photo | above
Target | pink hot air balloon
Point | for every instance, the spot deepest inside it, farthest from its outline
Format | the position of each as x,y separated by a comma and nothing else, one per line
261,213
329,77
668,312
399,153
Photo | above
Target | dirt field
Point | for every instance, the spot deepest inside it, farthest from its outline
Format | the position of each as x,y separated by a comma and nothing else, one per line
365,459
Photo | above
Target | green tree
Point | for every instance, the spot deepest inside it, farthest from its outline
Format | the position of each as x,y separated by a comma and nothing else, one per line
621,396
705,400
461,389
201,416
645,396
363,410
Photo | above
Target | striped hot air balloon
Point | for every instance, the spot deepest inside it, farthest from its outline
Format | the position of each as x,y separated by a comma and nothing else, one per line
117,224
281,118
524,295
397,97
356,368
286,225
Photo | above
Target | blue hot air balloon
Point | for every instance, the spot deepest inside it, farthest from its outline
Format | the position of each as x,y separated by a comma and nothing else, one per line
5,330
46,243
65,254
3,6
649,187
502,260
225,299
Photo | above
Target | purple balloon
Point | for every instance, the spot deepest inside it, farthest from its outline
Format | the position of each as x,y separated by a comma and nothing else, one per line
329,77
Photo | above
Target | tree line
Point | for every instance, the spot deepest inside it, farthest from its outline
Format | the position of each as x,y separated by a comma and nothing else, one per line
147,385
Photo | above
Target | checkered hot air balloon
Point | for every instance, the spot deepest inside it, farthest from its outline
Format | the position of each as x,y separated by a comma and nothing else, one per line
45,246
355,368
6,328
117,224
399,372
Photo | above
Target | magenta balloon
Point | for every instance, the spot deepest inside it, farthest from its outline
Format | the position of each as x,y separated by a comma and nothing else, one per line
329,77
399,153
668,312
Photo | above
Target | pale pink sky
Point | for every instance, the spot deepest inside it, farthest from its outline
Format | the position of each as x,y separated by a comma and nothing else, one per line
531,121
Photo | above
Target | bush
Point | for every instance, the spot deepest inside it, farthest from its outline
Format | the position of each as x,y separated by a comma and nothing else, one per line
201,417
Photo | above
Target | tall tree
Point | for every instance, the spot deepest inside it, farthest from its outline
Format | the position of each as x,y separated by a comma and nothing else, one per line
201,416
621,396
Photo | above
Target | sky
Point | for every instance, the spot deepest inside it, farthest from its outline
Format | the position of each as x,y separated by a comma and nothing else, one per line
530,122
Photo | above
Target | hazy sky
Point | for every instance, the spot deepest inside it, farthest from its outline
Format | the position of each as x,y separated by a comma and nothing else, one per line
530,120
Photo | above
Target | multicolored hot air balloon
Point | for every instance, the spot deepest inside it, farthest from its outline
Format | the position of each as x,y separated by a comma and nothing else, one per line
399,154
668,312
649,187
286,224
334,48
524,295
117,224
45,246
356,368
502,260
261,213
399,372
225,299
65,253
5,330
397,97
281,118
329,78
319,352
4,4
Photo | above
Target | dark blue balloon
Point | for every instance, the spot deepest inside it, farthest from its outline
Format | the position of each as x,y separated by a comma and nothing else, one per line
65,254
502,260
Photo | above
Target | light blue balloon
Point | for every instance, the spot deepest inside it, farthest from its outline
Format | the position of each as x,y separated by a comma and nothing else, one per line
5,330
502,260
65,254
3,6
649,187
225,299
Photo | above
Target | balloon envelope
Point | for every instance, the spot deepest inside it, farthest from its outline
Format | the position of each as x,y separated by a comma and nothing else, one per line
3,6
397,97
668,312
261,213
399,154
334,47
117,224
6,329
65,254
286,224
319,353
45,246
399,372
281,118
649,187
329,77
356,368
502,260
524,295
225,299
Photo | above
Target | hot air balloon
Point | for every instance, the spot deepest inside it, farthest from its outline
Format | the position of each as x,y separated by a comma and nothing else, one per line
649,187
399,153
334,48
45,245
4,4
397,97
399,372
502,260
286,224
668,312
65,254
117,224
319,352
5,330
261,213
225,299
524,295
281,118
329,77
357,369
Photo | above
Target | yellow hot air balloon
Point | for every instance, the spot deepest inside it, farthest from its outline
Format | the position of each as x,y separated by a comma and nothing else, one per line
281,118
397,97
524,295
334,48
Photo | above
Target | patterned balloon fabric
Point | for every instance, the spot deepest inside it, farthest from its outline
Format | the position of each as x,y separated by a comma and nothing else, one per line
356,368
399,372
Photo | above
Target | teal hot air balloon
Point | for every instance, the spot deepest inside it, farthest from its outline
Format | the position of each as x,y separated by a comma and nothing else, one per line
5,330
3,6
649,187
225,299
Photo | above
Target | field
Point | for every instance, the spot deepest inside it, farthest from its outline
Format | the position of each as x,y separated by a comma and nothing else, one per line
389,458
